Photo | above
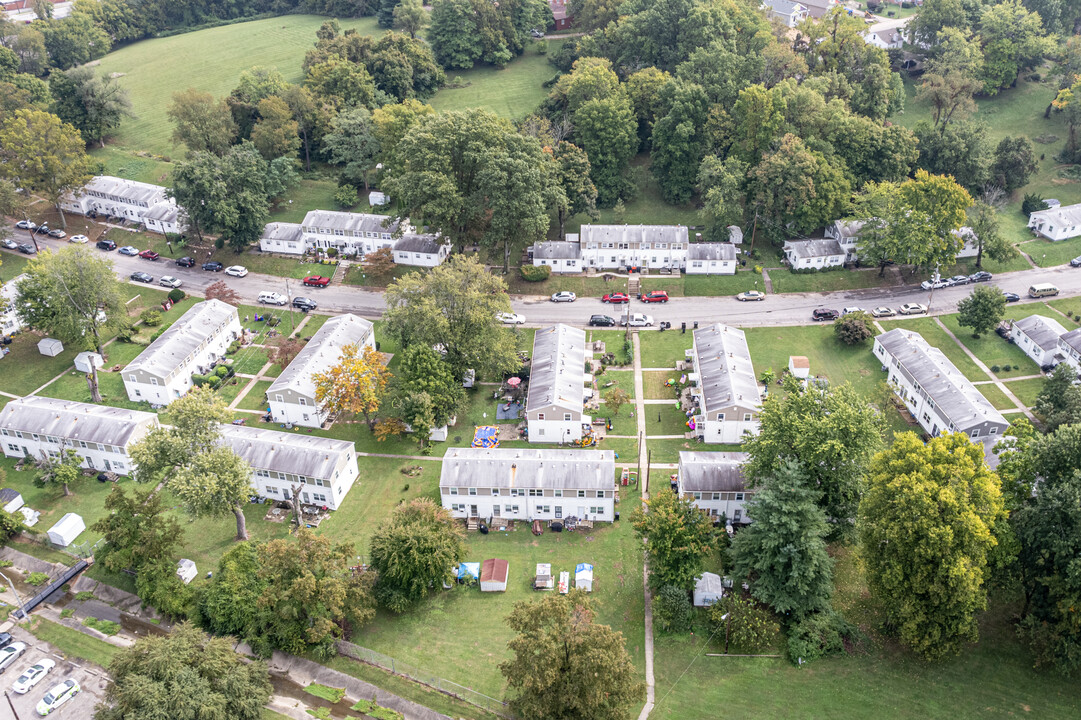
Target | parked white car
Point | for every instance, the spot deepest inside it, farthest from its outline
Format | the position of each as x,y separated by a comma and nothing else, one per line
170,282
564,296
57,696
272,298
912,309
236,270
33,675
79,239
850,310
639,320
934,284
10,654
511,318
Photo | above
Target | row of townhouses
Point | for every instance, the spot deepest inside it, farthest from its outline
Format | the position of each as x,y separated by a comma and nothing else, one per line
133,201
723,385
638,247
555,399
34,427
1047,342
839,246
355,234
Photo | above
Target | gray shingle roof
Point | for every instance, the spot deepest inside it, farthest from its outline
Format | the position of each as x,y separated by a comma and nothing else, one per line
633,233
183,337
712,471
74,420
848,228
725,372
955,396
557,376
287,232
297,454
528,468
814,248
427,244
166,211
783,7
355,222
1072,339
711,251
321,353
131,190
559,250
7,495
1043,331
1064,216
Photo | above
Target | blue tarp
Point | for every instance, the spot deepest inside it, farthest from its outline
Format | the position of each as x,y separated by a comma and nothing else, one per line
486,436
469,572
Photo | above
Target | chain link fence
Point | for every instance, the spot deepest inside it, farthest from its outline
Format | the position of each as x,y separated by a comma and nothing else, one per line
469,695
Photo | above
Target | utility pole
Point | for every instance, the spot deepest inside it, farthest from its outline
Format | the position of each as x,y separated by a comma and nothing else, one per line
7,695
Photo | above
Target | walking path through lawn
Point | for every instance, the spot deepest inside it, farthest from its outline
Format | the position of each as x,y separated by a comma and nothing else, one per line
639,394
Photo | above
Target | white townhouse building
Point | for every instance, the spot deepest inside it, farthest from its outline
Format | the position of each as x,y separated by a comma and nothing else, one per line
724,385
291,397
562,256
1059,223
555,400
9,318
712,258
933,389
135,201
1069,345
326,468
788,12
355,234
816,253
714,482
529,484
162,372
102,436
847,235
615,247
1038,336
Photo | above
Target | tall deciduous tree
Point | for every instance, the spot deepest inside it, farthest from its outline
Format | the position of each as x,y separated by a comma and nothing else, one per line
215,483
276,133
1059,401
73,295
184,673
929,525
355,384
393,122
782,554
720,186
559,655
352,145
201,122
93,104
607,129
413,551
679,139
74,40
423,370
454,306
410,17
136,530
678,537
221,291
45,155
1013,39
983,219
62,469
959,150
954,75
1014,163
982,310
228,604
578,187
832,433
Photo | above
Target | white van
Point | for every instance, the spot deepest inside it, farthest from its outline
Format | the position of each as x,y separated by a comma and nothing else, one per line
1042,290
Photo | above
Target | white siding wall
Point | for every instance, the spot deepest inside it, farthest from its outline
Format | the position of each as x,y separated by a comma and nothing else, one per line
99,457
277,486
1030,348
571,265
306,415
530,508
711,267
729,431
555,431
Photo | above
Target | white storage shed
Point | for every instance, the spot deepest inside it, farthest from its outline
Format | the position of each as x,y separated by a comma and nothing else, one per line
493,575
11,499
50,347
186,570
583,577
64,532
708,589
85,362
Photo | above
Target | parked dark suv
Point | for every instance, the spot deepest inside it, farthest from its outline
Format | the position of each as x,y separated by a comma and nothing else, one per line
824,314
305,304
213,266
106,245
186,262
602,321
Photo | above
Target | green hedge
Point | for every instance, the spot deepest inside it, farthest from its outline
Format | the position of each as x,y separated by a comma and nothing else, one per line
535,273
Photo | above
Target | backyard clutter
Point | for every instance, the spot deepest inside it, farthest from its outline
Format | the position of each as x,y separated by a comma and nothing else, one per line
543,579
583,577
708,589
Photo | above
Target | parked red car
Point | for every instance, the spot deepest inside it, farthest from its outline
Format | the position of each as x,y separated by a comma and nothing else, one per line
616,298
316,281
654,296
149,255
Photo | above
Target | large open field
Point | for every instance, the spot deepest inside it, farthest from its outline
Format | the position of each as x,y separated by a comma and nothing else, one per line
513,92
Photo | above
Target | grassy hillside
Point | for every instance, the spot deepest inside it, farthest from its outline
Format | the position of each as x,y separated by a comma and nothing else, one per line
512,92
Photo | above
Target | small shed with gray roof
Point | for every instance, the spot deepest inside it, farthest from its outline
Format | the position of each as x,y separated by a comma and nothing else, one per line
555,403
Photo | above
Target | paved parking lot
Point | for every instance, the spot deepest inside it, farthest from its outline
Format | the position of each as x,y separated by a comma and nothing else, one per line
81,707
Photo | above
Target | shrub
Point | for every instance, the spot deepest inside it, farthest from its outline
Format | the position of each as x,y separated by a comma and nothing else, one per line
221,371
672,609
749,626
66,613
6,563
995,368
346,196
106,627
233,348
820,635
535,273
853,329
332,252
126,332
151,317
1032,203
37,579
176,295
11,524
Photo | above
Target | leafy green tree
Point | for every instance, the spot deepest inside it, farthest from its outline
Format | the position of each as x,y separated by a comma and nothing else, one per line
678,139
228,605
720,187
1015,465
831,432
782,554
72,295
312,118
758,123
616,398
413,551
953,76
393,122
1014,163
215,483
672,609
678,537
73,40
591,78
937,203
423,370
644,88
607,130
341,83
253,86
93,104
574,177
137,529
184,674
959,150
983,219
1013,39
743,624
982,310
853,328
929,524
937,15
276,134
418,412
558,652
410,17
1059,401
28,43
452,42
45,155
61,469
385,13
201,123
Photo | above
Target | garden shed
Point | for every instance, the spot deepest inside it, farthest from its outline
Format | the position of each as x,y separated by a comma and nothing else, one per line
186,570
493,575
708,589
64,532
11,499
50,347
583,577
85,362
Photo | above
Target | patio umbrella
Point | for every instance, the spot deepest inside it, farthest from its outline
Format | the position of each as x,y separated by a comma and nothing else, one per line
514,382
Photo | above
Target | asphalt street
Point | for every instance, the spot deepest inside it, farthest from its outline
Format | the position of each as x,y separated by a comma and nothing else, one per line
776,309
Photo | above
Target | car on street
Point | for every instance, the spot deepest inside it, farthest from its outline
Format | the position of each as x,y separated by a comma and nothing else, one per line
958,280
602,321
1076,262
5,639
912,309
511,318
213,266
9,244
616,298
186,262
751,295
149,255
79,239
850,310
316,281
934,284
980,276
26,225
236,270
564,296
305,304
105,244
129,250
27,249
33,675
654,296
41,230
57,696
819,314
272,298
638,320
1011,297
10,654
58,234
170,282
883,312
142,277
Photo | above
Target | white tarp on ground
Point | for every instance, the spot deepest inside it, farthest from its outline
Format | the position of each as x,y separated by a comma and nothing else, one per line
64,532
186,570
30,516
583,577
708,589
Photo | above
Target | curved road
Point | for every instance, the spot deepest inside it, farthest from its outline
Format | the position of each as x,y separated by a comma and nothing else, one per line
776,309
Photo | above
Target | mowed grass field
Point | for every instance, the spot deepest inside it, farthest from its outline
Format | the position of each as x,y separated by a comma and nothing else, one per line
512,92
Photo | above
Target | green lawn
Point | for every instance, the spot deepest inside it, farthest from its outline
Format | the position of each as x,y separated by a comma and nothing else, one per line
623,379
355,275
647,208
1048,254
667,451
1027,390
256,397
663,349
996,397
653,384
513,92
614,343
937,337
786,281
72,643
665,420
11,264
594,286
704,285
992,350
24,369
249,360
840,363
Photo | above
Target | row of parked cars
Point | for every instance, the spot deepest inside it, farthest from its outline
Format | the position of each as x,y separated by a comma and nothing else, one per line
936,283
31,676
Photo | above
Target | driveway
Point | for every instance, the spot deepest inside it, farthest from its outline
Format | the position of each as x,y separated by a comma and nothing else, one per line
90,678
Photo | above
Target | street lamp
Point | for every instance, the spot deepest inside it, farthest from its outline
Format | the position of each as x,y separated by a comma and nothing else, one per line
727,617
